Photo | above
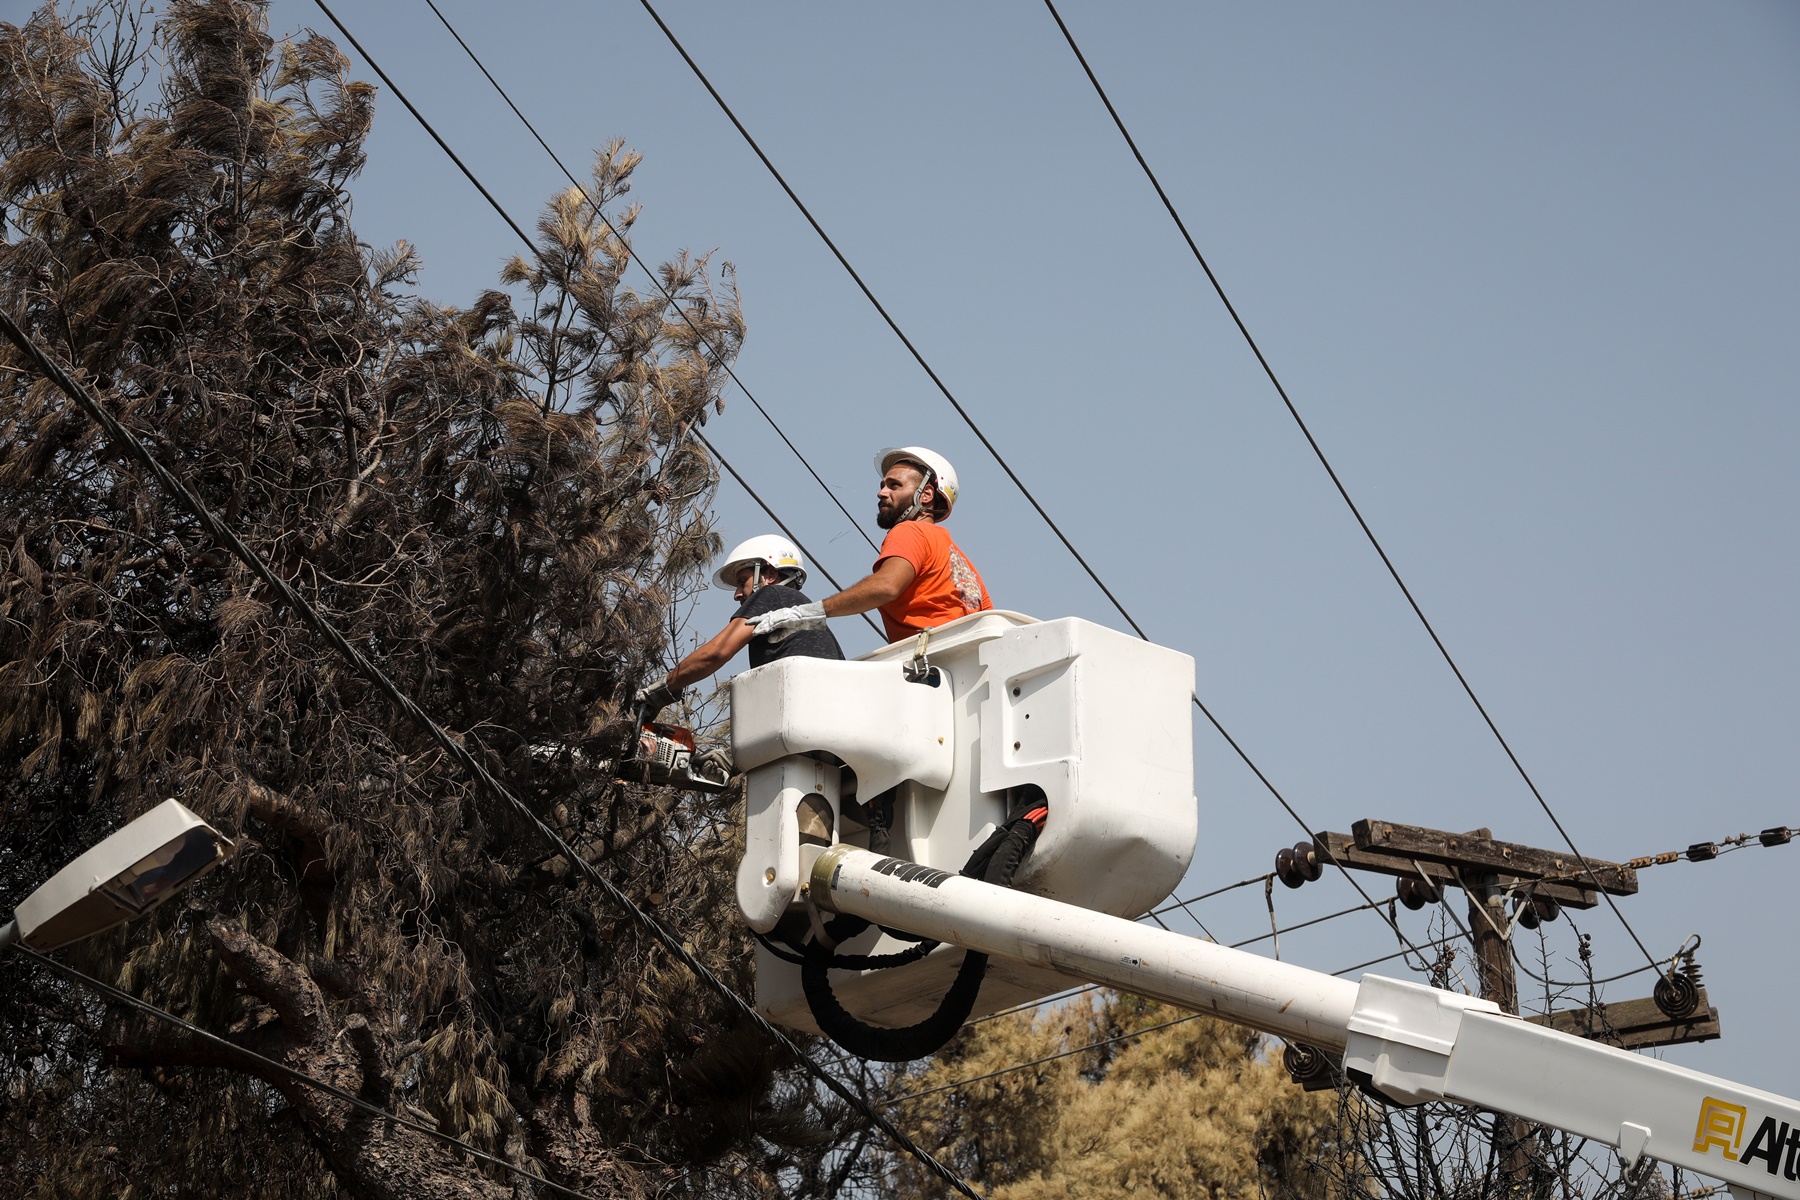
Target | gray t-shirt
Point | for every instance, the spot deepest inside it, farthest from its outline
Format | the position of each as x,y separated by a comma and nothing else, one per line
808,643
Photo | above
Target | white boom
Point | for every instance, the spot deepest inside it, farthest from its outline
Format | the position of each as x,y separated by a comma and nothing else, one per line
997,713
1409,1042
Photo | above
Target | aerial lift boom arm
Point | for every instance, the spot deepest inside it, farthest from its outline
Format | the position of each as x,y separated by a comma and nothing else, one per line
1408,1042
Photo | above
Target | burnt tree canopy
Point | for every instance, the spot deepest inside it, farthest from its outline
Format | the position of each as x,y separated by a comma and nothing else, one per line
499,503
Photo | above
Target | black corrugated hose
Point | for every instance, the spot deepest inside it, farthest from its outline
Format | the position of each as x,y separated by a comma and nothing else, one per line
995,861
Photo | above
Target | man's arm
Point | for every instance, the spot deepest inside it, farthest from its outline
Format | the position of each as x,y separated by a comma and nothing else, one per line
892,576
709,656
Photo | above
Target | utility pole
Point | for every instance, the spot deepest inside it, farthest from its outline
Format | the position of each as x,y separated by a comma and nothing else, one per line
1493,950
1515,1141
1425,862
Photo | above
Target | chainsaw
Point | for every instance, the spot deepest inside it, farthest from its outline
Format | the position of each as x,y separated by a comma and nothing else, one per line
664,757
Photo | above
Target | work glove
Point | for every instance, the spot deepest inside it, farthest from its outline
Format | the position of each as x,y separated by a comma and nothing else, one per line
713,764
657,697
784,623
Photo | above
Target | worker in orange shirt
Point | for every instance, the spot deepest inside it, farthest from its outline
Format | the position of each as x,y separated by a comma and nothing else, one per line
921,579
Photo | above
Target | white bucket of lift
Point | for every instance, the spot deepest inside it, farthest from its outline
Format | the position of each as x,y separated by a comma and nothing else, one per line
1084,719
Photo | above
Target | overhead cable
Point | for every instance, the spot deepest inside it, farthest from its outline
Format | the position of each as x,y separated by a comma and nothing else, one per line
1779,835
514,226
1332,916
782,525
1040,1002
1371,903
1269,784
1218,891
891,323
1192,916
1410,949
129,444
645,267
973,427
1693,941
1342,491
1433,943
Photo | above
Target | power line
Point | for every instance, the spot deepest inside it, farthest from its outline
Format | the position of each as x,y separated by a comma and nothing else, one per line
1779,835
588,197
782,525
891,323
128,443
282,1069
1410,948
1580,983
514,226
1387,918
970,422
1218,891
1192,916
1155,914
1319,452
1066,994
1342,912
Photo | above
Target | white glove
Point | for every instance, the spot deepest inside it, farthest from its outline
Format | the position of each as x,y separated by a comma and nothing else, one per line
658,696
784,623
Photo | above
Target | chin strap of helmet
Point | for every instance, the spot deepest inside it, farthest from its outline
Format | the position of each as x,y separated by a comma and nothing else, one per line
929,480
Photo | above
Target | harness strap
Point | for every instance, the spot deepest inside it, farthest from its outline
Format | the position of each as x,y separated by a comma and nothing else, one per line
918,667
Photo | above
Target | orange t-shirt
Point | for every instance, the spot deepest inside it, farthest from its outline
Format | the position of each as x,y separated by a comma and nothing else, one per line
945,585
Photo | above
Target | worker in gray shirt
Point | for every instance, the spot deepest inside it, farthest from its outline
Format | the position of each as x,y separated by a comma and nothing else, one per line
763,574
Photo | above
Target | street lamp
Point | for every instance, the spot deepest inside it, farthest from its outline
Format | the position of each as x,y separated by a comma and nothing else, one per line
125,876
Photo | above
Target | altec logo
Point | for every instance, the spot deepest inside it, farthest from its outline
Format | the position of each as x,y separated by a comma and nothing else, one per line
907,872
1774,1144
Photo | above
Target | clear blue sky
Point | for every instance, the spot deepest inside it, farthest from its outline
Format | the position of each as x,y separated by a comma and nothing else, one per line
1530,272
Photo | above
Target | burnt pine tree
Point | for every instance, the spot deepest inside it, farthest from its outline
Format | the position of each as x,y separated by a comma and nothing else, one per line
501,504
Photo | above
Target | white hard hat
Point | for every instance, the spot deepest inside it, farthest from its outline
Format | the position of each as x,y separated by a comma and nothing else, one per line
942,473
770,548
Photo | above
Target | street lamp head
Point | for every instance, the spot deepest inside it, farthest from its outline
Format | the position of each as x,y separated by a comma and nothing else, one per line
125,876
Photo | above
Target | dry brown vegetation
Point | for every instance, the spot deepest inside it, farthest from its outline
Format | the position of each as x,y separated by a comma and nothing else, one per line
1192,1110
498,503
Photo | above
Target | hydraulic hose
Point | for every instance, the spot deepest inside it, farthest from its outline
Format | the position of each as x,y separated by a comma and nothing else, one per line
995,861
